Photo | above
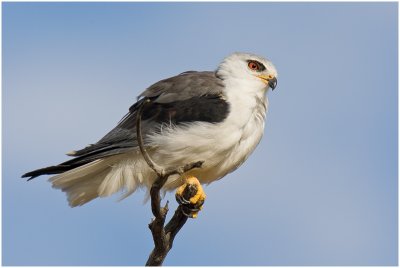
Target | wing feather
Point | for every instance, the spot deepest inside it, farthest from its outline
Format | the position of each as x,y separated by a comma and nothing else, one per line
188,97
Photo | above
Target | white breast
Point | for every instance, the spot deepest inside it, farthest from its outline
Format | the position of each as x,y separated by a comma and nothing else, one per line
223,146
243,128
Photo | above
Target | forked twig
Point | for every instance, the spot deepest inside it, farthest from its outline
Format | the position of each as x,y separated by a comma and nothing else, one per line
163,237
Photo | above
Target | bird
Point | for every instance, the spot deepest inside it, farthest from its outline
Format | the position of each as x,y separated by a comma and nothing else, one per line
217,117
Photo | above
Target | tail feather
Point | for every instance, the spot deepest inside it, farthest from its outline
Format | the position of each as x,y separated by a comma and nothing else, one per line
82,191
99,178
66,178
82,184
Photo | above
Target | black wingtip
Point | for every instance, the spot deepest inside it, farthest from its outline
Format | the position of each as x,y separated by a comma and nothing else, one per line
48,171
36,173
29,176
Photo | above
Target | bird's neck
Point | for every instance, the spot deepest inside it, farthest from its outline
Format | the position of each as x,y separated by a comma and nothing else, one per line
248,101
245,88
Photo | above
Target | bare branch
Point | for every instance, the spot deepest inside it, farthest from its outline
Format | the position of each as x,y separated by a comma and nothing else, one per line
157,169
163,237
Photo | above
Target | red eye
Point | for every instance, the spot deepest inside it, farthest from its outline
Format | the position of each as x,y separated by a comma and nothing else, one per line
253,66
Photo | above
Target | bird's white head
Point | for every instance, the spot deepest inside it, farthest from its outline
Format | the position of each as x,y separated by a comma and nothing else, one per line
250,69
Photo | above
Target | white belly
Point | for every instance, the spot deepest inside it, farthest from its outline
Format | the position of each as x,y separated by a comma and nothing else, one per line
223,146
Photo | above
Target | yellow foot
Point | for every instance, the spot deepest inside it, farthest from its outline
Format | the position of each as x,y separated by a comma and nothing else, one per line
191,197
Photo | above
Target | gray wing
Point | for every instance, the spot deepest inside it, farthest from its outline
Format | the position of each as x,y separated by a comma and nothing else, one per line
188,97
184,86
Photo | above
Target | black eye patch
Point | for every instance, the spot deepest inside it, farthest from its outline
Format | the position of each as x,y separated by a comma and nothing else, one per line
259,66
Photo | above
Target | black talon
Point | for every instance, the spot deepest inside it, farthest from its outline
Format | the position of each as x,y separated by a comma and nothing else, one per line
187,212
189,192
189,209
182,200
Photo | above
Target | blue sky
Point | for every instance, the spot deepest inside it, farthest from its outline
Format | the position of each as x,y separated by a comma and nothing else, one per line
321,188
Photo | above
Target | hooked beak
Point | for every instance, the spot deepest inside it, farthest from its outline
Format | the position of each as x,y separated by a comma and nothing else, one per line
270,80
272,83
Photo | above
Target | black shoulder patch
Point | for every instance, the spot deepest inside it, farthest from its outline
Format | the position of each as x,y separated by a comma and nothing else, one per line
208,108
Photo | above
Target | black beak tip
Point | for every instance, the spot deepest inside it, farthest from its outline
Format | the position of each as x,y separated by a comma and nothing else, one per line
272,83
